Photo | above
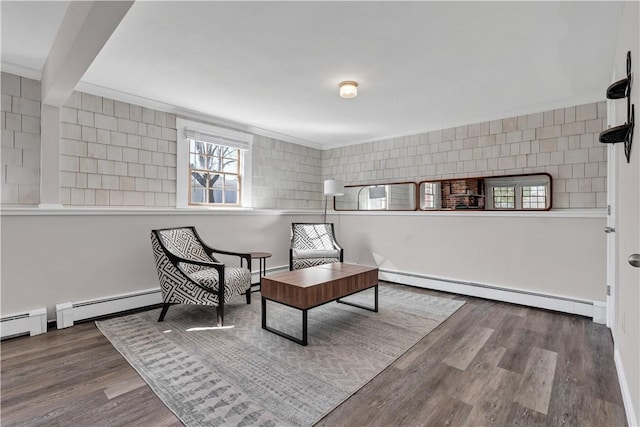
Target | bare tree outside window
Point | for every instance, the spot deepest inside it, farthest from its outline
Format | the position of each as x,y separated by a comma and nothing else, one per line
215,174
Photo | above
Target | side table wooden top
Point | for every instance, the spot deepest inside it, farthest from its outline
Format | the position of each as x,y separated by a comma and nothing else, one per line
255,255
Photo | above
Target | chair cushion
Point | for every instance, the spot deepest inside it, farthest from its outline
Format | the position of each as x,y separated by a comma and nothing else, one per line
315,253
237,280
299,264
312,237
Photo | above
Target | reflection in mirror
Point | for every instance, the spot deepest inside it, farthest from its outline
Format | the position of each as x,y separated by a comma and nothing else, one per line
452,194
519,192
379,197
512,192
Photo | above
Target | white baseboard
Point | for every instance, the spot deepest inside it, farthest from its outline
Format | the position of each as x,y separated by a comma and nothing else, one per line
33,322
499,293
626,394
600,312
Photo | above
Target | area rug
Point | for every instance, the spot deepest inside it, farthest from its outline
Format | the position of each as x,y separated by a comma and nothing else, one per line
243,375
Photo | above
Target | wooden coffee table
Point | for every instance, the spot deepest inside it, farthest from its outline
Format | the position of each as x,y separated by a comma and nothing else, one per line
311,287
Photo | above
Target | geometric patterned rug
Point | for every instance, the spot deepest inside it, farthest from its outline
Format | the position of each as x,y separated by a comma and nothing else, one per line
242,375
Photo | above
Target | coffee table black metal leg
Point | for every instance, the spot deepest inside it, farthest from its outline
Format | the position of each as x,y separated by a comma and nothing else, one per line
304,327
296,340
375,301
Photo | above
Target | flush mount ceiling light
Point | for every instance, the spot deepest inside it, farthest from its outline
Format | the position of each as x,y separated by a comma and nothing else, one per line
348,89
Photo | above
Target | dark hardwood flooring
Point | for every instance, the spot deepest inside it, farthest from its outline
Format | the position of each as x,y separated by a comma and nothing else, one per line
490,364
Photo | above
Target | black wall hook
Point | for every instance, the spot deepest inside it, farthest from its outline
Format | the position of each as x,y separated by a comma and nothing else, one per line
623,133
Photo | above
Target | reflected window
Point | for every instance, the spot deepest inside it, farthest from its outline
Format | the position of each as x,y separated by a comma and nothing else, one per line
519,192
504,197
534,197
430,195
377,198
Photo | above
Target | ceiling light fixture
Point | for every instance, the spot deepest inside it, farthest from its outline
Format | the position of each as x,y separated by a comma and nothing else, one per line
348,89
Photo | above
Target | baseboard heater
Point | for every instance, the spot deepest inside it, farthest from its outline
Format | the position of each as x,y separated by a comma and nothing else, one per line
69,313
593,309
33,322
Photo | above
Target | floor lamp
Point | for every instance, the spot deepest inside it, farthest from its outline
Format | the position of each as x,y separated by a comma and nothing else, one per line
332,187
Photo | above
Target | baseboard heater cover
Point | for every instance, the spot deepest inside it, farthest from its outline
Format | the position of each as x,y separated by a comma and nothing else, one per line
593,309
68,313
33,322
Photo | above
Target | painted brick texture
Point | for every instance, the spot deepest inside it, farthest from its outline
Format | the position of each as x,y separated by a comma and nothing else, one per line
116,154
20,151
286,175
563,143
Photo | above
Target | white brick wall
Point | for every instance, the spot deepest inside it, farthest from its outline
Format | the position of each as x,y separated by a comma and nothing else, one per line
116,154
563,143
20,150
285,175
119,154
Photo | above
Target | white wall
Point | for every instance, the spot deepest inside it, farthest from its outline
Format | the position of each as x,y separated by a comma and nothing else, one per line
549,253
51,257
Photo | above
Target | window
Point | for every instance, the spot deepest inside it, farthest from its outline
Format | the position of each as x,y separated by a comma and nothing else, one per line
215,174
377,198
213,166
534,197
504,197
431,195
519,192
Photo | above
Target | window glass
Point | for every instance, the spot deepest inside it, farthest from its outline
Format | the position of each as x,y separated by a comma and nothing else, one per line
429,195
215,174
377,198
504,197
534,197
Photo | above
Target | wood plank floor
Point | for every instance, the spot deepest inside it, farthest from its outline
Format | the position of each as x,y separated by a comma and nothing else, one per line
490,364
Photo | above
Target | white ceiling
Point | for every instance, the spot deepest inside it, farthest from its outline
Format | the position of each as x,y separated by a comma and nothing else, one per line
276,66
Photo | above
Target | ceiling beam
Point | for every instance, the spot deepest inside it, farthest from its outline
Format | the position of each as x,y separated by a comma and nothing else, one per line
86,27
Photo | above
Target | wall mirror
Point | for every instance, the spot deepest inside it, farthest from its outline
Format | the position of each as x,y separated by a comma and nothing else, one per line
509,192
378,197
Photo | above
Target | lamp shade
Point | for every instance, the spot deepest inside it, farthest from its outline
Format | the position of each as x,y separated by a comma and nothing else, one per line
333,187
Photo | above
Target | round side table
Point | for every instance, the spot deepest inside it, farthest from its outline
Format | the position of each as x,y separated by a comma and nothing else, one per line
262,259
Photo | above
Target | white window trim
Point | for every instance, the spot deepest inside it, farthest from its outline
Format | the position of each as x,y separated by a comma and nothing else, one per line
182,161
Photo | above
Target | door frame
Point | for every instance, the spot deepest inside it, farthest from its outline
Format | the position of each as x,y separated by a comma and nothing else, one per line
612,220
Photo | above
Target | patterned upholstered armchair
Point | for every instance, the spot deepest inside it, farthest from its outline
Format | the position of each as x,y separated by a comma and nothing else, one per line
190,274
313,244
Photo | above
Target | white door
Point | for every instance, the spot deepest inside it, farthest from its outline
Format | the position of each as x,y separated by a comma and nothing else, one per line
627,330
627,323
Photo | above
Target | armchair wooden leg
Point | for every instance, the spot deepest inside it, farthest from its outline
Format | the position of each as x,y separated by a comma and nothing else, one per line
220,312
248,295
165,307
